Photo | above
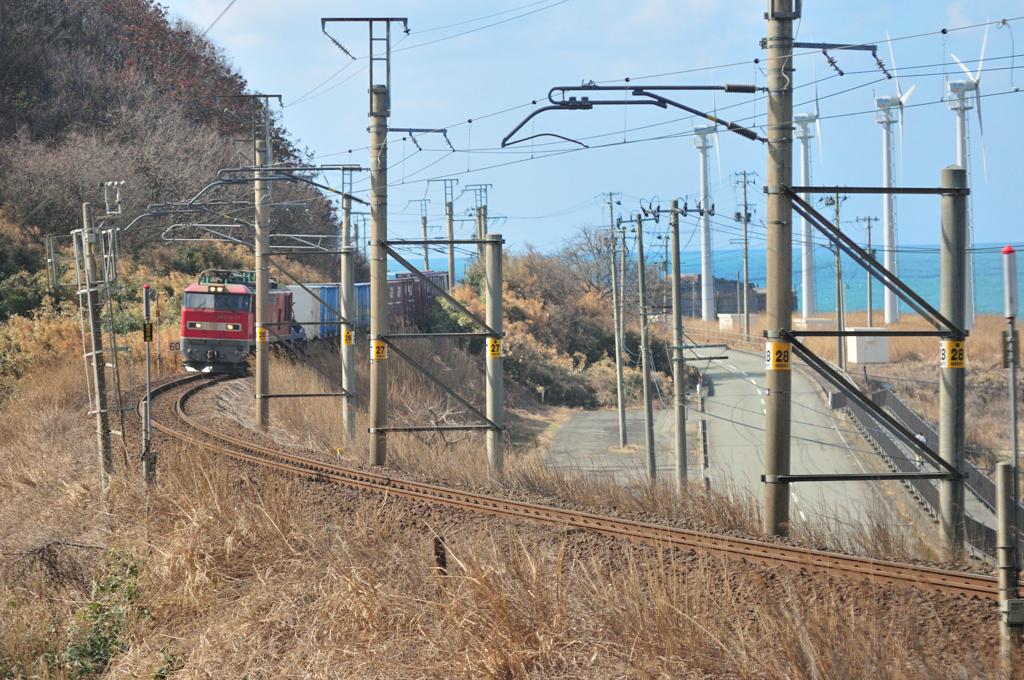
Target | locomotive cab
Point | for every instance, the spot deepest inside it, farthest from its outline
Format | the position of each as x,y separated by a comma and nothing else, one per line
218,321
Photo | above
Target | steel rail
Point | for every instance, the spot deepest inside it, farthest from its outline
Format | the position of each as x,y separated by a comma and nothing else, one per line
761,552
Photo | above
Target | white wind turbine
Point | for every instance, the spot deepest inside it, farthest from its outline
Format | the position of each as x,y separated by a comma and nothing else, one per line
803,123
703,137
960,101
889,110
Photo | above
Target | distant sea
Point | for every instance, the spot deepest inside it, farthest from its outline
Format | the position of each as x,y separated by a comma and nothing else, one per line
918,266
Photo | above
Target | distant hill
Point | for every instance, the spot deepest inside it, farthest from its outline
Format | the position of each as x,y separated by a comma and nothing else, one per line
100,90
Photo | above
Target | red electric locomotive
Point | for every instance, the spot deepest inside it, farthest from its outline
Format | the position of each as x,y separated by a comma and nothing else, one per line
218,320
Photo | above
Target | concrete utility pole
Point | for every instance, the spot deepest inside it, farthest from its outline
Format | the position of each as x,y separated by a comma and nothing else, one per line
805,135
379,111
1011,352
449,213
778,311
679,368
348,311
423,222
495,362
148,455
960,101
952,358
348,350
867,221
617,318
746,271
262,289
426,249
645,353
481,227
840,321
94,299
702,137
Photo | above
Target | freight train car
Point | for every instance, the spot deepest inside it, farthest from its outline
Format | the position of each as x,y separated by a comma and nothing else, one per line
316,318
218,317
409,300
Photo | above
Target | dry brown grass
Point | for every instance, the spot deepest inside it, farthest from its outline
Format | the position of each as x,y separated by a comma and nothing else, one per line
241,577
459,459
245,573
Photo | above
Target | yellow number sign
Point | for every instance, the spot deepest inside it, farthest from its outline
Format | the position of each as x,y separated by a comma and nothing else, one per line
147,332
776,356
346,338
494,348
952,354
261,335
380,350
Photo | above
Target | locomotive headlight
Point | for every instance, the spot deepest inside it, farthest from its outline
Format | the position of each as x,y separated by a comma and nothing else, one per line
195,324
232,326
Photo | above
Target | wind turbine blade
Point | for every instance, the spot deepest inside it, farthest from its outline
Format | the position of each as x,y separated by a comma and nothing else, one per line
714,106
718,155
981,59
895,73
817,115
981,128
970,76
814,70
821,154
904,98
901,139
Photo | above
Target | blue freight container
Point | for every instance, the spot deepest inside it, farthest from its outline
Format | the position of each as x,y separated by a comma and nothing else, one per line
363,306
329,294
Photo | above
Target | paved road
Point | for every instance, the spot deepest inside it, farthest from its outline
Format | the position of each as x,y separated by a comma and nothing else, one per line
820,444
590,441
735,415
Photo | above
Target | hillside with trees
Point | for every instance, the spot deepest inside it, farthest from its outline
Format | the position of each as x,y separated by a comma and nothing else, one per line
116,90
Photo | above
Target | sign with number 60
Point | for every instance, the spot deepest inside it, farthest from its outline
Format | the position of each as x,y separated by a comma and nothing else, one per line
174,346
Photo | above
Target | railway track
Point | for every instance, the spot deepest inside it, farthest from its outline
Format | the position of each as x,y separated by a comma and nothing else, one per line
771,554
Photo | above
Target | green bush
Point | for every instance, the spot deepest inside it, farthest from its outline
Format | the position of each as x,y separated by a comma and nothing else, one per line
98,631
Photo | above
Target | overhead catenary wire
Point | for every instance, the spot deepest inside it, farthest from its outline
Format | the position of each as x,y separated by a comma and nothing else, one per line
723,66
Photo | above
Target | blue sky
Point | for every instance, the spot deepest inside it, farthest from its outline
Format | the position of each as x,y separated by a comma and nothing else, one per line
279,48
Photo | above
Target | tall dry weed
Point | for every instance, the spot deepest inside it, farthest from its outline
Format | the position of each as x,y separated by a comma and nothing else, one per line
247,573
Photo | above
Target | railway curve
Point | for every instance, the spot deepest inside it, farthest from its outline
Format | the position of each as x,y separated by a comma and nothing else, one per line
188,430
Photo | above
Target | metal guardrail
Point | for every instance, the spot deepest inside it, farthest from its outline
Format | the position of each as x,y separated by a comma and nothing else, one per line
977,481
978,534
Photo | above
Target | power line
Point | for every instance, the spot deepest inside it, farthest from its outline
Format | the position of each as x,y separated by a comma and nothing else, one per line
480,28
223,12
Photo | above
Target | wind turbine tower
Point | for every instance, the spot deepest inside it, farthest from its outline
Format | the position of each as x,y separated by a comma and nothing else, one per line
889,110
702,140
960,101
805,135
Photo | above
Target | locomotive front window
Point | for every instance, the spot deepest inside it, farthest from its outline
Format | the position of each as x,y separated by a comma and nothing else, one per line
222,302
